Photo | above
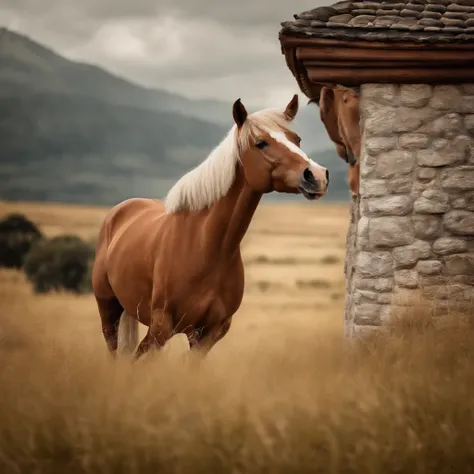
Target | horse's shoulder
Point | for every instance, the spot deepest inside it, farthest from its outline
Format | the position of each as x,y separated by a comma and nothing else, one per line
133,211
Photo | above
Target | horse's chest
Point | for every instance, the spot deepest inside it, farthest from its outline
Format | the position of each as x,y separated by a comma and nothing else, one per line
211,290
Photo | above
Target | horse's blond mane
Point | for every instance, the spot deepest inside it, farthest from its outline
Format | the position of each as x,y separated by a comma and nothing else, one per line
212,179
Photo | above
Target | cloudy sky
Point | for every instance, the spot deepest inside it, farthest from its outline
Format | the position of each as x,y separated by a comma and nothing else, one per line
199,48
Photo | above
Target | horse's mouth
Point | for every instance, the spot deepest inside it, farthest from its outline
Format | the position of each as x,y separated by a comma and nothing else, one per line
310,196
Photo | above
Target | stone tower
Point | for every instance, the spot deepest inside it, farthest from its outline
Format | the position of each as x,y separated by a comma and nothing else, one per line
412,227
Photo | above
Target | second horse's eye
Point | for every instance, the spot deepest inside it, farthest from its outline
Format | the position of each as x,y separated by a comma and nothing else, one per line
261,144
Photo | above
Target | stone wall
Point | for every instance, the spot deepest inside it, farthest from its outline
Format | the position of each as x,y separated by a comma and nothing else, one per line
412,230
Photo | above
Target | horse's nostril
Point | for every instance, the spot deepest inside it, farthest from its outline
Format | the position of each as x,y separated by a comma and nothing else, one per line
308,175
327,176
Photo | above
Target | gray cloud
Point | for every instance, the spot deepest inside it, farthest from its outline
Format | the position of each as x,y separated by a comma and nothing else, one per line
200,48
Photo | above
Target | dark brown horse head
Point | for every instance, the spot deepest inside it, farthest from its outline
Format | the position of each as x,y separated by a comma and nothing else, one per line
271,155
339,111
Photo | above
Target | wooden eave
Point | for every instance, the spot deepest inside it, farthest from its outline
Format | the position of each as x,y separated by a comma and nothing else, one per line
317,61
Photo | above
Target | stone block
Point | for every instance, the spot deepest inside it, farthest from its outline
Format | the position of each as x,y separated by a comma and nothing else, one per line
458,179
459,203
368,314
380,120
432,202
467,104
424,248
446,97
381,93
379,285
409,120
469,123
464,145
405,257
390,232
399,185
361,297
376,145
459,264
426,174
413,141
464,279
426,227
390,206
368,164
435,159
449,245
408,255
373,188
449,126
406,278
439,143
384,298
415,95
468,89
429,267
374,264
432,280
469,201
363,233
394,164
459,222
444,292
466,202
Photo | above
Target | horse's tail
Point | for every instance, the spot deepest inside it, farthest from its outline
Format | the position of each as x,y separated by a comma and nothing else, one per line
127,334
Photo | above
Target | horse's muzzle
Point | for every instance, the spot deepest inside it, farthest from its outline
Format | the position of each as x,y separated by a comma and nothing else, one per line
312,187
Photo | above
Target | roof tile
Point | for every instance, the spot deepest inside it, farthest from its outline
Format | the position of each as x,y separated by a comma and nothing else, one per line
421,21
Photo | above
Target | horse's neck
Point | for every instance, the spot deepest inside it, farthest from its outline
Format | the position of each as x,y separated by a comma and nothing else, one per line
229,218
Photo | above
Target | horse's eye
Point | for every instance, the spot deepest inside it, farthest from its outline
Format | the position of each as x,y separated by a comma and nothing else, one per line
261,144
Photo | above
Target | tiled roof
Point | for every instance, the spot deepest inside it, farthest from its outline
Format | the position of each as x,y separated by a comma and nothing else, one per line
418,21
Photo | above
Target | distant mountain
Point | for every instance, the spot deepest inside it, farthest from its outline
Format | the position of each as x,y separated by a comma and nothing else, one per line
25,63
74,132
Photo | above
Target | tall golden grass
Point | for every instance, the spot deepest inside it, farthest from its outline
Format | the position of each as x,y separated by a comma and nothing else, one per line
299,402
283,392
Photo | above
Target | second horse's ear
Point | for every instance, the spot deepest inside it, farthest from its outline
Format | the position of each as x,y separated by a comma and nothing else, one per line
239,113
292,108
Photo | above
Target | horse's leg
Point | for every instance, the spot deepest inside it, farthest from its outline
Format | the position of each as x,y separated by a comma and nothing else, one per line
160,331
110,311
205,341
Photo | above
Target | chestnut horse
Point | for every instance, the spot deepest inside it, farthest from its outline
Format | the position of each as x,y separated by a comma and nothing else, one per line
176,265
339,111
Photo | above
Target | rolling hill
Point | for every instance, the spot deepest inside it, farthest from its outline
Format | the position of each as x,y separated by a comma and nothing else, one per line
74,132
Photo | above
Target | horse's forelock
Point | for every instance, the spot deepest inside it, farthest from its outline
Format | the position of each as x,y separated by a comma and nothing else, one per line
267,120
355,89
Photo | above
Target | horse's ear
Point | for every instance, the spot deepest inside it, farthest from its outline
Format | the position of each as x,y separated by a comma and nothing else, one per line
292,108
239,112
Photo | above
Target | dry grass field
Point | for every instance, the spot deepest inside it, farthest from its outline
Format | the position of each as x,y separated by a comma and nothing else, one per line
281,393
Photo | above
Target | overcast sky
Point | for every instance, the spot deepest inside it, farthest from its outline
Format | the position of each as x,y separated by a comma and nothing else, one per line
199,48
